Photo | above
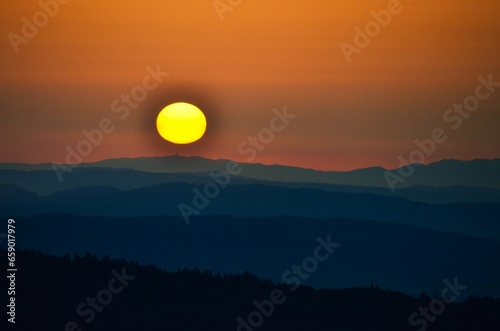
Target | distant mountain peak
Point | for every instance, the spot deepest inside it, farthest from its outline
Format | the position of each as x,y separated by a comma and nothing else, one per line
448,172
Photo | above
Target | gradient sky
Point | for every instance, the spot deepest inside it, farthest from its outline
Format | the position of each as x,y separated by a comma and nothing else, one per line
263,55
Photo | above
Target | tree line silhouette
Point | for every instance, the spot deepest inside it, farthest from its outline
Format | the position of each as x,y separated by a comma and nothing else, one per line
49,290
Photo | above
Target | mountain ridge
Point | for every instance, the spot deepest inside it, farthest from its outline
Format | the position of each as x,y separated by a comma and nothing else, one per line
448,172
255,200
396,256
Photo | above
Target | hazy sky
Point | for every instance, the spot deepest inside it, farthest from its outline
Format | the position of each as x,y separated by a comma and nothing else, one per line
262,55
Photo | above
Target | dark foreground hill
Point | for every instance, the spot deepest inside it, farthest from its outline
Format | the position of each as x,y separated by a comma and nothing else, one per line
84,293
395,256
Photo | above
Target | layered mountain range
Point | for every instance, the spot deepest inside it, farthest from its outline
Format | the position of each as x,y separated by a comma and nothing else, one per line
178,212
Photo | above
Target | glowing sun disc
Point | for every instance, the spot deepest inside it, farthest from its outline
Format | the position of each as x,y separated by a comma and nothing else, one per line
181,123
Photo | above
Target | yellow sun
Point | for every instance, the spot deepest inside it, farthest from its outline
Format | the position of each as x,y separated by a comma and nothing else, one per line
181,123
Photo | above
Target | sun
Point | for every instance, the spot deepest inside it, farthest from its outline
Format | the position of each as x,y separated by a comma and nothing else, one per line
181,123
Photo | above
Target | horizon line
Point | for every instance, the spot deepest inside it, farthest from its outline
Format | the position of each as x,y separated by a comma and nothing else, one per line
251,163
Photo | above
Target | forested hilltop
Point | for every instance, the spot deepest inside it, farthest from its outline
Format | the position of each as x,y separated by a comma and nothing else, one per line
87,293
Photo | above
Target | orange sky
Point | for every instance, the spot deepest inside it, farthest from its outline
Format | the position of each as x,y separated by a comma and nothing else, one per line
263,55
